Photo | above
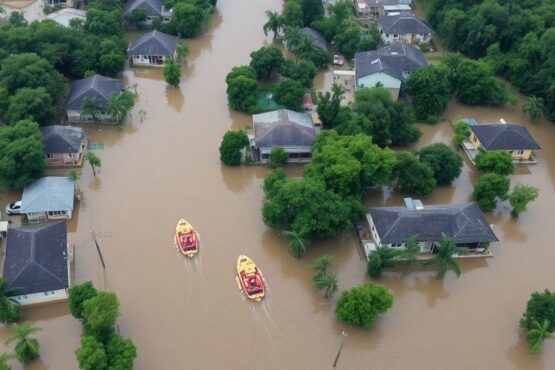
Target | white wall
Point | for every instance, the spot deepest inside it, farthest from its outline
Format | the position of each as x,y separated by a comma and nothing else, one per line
43,297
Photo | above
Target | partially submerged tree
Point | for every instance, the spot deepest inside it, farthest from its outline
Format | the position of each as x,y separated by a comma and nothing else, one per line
119,105
274,23
241,93
521,196
537,334
413,176
78,294
462,132
298,243
100,314
278,157
94,161
26,348
289,93
89,107
9,306
540,307
444,161
361,305
266,61
410,251
172,72
533,107
380,259
232,143
496,161
443,257
490,187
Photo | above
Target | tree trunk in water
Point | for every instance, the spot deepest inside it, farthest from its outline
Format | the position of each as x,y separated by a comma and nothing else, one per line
94,172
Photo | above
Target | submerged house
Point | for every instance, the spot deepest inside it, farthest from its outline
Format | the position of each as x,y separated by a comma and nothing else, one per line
388,66
293,131
464,223
37,263
318,40
404,27
514,139
372,9
97,88
63,145
48,198
152,48
152,9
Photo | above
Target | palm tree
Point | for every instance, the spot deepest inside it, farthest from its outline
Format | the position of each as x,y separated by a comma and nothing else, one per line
293,37
320,265
533,107
9,307
304,47
274,24
94,161
379,260
444,257
89,106
327,282
536,335
298,244
120,104
411,249
4,358
26,349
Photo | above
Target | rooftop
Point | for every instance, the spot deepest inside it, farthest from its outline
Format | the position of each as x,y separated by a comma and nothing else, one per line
95,87
395,59
61,139
49,193
283,128
403,23
154,43
504,136
317,38
152,8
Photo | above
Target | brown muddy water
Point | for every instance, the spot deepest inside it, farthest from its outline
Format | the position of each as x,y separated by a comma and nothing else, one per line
188,314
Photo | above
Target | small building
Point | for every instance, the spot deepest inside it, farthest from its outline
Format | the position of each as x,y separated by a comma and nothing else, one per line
38,263
514,139
64,16
465,224
63,145
98,88
293,131
389,66
373,9
59,3
318,40
48,198
152,48
153,9
396,9
404,27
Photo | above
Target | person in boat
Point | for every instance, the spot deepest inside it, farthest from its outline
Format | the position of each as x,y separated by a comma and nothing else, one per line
252,282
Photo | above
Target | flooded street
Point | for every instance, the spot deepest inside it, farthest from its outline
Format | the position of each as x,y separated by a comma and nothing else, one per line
189,314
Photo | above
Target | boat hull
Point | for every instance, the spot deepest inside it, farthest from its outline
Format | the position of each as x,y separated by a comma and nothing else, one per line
250,279
186,239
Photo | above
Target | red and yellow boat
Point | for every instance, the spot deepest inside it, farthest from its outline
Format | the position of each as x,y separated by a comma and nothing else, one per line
250,279
186,238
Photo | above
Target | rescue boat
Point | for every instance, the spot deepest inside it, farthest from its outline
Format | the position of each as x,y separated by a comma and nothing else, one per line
186,239
250,279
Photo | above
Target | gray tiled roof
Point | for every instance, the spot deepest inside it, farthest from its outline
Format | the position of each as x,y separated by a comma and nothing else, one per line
61,139
504,136
152,8
36,258
393,59
49,193
317,38
283,128
403,23
154,43
464,223
98,87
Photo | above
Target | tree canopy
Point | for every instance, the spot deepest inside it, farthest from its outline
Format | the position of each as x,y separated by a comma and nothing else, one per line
289,93
230,148
31,104
413,176
444,161
521,196
490,187
266,61
100,314
241,93
78,294
540,307
430,91
361,305
496,161
172,72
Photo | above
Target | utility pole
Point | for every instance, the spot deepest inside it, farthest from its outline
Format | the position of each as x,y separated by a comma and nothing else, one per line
98,250
340,348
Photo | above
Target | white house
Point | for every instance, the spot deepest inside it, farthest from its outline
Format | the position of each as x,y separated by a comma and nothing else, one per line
37,263
152,48
404,27
63,145
48,198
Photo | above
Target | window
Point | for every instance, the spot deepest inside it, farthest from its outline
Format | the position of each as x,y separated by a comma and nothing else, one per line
46,293
49,155
56,213
52,292
520,152
395,35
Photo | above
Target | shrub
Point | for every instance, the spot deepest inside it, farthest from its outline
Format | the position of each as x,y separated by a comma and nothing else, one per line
362,305
496,161
230,149
278,157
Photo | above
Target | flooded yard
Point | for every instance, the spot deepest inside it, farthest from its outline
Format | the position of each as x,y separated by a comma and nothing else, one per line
189,314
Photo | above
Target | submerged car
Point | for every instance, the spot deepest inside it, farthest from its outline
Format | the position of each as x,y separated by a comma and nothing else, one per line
14,208
338,60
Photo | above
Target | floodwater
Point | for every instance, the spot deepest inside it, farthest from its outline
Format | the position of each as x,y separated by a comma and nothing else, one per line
189,314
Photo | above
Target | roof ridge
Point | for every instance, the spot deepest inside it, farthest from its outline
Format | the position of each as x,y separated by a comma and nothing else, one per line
399,215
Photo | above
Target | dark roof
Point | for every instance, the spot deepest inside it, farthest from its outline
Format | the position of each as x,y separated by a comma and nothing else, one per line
403,23
36,258
504,136
464,223
99,87
395,59
317,38
152,8
283,128
154,43
61,139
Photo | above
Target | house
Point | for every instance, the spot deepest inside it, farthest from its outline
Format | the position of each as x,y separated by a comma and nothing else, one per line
64,16
404,27
504,136
37,263
153,9
59,3
291,130
152,48
389,66
373,9
63,145
48,198
465,224
318,40
396,9
97,88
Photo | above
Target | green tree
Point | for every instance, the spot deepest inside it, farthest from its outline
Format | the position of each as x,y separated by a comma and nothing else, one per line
329,105
100,314
21,155
79,294
496,161
430,91
274,23
182,50
444,161
121,353
137,16
462,132
172,72
112,60
410,251
244,71
232,143
273,182
537,334
266,61
4,358
488,188
188,19
119,105
32,104
312,10
94,161
289,93
476,85
328,283
89,107
413,176
91,354
362,305
533,106
521,196
292,13
443,257
303,71
17,19
278,157
241,93
380,259
299,242
540,307
26,349
320,265
9,306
